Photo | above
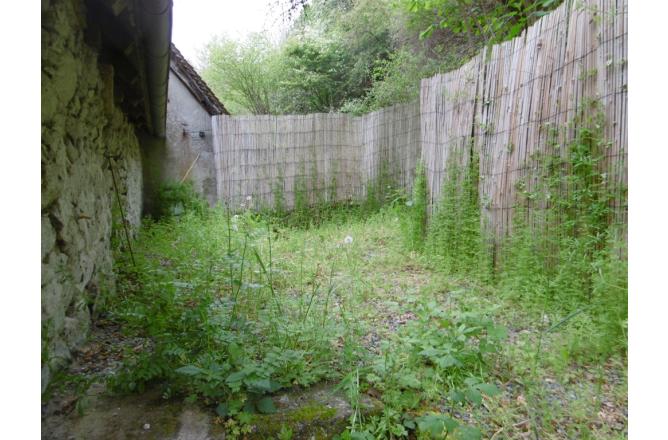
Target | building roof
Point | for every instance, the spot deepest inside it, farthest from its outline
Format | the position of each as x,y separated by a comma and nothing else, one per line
182,68
134,36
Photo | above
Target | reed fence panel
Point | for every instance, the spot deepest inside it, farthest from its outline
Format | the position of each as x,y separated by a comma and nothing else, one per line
511,101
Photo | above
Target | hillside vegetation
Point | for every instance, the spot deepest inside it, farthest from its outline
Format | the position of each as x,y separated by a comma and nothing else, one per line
357,56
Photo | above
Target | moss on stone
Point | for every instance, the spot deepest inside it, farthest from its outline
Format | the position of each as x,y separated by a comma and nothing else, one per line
308,421
310,413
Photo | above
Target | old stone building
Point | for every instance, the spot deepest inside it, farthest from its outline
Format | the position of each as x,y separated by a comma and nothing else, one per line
191,104
104,79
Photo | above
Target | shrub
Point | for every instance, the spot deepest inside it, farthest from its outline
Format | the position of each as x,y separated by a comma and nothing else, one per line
414,222
175,199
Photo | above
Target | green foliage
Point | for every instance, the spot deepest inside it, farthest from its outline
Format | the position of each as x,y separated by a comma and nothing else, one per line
279,196
414,222
319,214
354,56
610,302
315,208
243,75
396,79
561,254
301,208
441,354
358,56
202,295
77,385
455,237
494,21
315,78
350,39
176,199
233,308
285,433
380,190
558,256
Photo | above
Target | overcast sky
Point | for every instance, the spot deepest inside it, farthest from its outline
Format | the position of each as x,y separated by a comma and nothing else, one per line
196,21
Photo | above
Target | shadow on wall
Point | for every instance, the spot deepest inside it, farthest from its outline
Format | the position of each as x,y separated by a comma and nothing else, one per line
95,118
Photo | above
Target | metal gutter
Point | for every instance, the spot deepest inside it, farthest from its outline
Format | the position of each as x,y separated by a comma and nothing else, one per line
155,19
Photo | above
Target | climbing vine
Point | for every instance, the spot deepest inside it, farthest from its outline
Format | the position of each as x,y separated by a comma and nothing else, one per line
562,247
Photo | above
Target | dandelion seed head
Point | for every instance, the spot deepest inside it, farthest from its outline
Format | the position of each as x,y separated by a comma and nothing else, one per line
348,239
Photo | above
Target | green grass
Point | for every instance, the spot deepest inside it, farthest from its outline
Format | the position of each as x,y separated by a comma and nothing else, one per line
236,308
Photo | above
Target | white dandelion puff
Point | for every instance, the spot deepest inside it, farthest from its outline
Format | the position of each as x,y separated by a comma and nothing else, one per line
249,198
348,239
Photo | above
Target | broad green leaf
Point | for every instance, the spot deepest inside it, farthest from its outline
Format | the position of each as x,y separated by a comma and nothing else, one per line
471,381
447,361
234,380
430,352
246,418
274,386
189,370
361,436
436,424
498,332
236,377
266,406
488,389
410,424
223,410
236,353
516,29
249,407
457,396
468,433
260,385
409,381
474,396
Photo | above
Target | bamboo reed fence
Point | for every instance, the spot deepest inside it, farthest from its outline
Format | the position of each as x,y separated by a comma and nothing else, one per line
329,156
503,106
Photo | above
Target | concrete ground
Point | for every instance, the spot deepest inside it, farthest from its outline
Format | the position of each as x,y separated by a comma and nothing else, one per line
315,413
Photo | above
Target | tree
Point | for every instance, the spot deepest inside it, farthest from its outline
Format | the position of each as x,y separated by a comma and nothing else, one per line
494,20
243,75
316,76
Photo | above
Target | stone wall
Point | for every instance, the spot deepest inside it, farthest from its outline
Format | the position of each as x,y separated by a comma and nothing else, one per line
81,127
186,119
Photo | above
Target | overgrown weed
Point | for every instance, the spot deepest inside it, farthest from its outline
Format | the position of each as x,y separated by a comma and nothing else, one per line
204,295
562,255
236,306
562,263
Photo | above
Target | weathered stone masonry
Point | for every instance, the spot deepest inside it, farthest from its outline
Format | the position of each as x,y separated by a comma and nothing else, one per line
81,126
